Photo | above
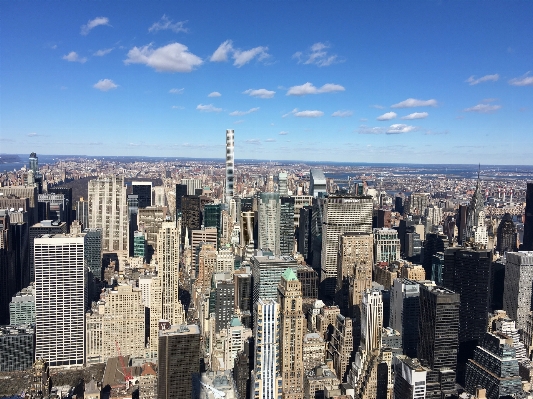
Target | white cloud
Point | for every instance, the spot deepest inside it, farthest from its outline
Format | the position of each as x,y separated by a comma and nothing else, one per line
371,130
309,114
167,24
283,133
33,134
74,57
342,114
238,122
208,108
105,85
253,141
173,57
387,116
524,80
317,55
177,107
399,128
240,57
270,141
261,93
176,91
483,108
214,94
85,29
416,115
241,113
221,53
377,106
413,102
101,53
309,88
487,78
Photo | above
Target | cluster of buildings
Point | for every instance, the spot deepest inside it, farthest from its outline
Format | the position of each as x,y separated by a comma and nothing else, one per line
264,286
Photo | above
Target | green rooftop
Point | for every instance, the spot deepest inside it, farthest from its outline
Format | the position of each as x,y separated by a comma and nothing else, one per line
289,275
235,322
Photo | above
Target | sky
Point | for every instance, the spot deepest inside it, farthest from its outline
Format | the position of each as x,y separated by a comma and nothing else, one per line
353,81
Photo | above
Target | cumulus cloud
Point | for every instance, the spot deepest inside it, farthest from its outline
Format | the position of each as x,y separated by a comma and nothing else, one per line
208,108
387,116
176,91
105,85
74,57
342,114
399,128
85,29
167,24
309,88
524,80
239,56
270,141
241,113
214,94
416,115
101,53
283,133
413,102
173,57
318,55
308,113
261,93
487,78
483,108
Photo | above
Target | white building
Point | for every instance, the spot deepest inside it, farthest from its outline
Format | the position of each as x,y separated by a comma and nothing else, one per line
230,166
371,320
60,299
108,211
386,245
517,288
266,379
269,222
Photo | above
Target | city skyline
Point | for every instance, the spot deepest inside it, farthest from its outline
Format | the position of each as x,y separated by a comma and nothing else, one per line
352,82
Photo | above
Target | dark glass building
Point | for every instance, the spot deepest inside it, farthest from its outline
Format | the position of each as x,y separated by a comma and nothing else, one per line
528,222
506,235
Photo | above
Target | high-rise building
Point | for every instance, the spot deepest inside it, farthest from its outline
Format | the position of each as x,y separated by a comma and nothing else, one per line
476,231
192,185
224,291
528,221
266,379
305,236
60,299
291,333
517,289
22,307
282,184
354,271
143,191
168,258
371,320
286,226
409,378
317,183
108,211
82,213
266,273
181,191
269,222
38,229
471,280
387,245
230,165
93,251
341,215
243,295
340,344
434,243
506,236
150,220
438,345
68,202
404,313
494,367
16,347
212,217
178,361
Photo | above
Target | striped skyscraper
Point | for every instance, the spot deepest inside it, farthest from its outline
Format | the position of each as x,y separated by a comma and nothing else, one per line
230,164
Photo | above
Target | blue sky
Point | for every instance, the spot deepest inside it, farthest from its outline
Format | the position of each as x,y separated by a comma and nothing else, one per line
355,81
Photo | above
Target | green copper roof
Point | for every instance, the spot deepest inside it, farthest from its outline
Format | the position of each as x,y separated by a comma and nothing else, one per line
235,322
289,274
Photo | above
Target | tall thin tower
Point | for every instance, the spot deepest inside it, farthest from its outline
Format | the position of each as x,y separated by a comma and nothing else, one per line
230,163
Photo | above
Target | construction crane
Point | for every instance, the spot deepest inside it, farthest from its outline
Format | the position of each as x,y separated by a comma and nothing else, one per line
218,394
125,371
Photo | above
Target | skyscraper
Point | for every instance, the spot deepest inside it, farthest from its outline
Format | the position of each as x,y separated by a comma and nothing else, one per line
143,190
266,379
517,289
404,313
528,222
387,245
108,211
60,298
476,231
506,236
439,338
341,215
291,333
282,184
168,256
178,361
269,219
266,273
371,320
230,159
286,226
317,183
